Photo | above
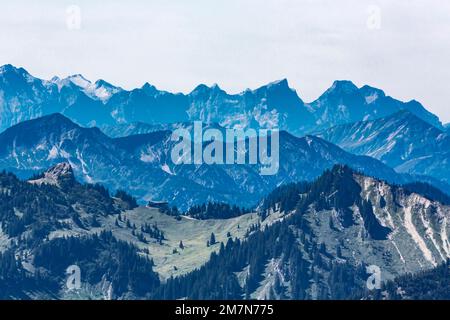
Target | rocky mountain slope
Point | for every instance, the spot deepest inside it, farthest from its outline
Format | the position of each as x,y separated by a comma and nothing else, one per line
317,248
341,224
402,141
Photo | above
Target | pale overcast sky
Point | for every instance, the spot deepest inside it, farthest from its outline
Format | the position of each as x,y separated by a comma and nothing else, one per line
401,46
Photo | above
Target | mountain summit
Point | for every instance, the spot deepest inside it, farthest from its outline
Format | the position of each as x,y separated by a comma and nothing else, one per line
345,103
59,174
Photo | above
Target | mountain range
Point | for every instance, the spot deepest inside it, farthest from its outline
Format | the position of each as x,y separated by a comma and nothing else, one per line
141,164
317,247
24,97
339,225
86,172
403,141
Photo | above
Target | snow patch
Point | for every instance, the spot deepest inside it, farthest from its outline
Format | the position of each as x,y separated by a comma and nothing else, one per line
166,169
53,153
372,98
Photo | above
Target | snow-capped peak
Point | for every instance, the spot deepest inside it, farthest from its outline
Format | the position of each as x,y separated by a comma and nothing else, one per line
103,90
100,90
372,94
274,85
80,81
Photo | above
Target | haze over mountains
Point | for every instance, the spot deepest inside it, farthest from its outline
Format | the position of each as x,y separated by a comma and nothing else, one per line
363,180
405,136
403,141
25,97
141,164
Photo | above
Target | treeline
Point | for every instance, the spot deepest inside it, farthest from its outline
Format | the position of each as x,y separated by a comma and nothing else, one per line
13,278
40,209
301,264
287,250
154,232
431,284
428,191
99,257
216,210
337,189
128,199
284,198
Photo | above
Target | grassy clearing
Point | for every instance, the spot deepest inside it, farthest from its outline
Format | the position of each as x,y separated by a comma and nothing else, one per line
193,233
169,258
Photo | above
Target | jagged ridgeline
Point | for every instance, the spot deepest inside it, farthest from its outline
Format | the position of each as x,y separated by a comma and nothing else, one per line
26,97
403,141
142,165
332,230
308,241
44,122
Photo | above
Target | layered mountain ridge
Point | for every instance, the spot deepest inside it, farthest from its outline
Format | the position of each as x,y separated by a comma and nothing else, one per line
276,105
142,164
318,248
403,141
321,248
363,180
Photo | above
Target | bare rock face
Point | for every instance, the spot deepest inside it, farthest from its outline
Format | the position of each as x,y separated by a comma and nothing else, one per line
395,229
419,225
61,172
